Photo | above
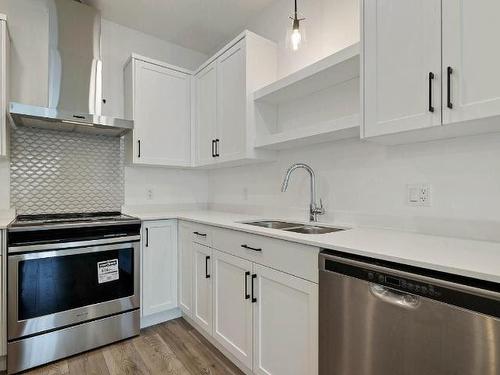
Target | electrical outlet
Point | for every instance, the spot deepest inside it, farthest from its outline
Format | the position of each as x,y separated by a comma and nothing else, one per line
418,195
150,194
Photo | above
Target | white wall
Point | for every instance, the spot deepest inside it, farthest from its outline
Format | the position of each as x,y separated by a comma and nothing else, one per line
28,27
330,25
361,182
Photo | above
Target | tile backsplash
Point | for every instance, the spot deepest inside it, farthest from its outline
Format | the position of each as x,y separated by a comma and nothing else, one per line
53,172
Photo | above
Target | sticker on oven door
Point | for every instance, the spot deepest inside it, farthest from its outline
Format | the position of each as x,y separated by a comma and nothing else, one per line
107,271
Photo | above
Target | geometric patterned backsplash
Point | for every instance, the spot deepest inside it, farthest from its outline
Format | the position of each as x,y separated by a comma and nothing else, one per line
60,172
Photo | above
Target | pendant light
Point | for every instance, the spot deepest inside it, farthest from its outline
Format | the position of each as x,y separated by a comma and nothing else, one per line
296,34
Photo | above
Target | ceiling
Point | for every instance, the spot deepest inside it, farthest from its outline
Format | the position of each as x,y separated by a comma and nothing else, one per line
202,25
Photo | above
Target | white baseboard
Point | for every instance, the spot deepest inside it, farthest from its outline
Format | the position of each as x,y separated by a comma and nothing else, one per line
165,316
223,350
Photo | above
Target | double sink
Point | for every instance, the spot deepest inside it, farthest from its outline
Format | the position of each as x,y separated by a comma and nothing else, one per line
294,227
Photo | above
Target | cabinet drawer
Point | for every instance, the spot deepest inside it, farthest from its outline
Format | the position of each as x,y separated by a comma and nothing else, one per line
296,259
201,234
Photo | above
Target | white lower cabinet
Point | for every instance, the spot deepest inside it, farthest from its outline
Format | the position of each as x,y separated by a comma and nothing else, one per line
285,325
202,287
185,269
233,305
159,269
264,319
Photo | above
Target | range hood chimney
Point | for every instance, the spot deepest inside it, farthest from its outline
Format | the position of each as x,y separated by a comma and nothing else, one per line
74,76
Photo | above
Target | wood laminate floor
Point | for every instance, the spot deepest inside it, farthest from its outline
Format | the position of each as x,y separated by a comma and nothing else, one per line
174,347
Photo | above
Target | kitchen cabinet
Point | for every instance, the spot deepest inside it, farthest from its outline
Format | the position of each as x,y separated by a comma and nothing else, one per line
224,109
158,99
206,110
185,269
401,65
257,299
3,297
202,287
4,57
159,268
429,69
285,326
233,305
470,34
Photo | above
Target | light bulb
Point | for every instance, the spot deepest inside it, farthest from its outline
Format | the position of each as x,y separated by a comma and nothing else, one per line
296,38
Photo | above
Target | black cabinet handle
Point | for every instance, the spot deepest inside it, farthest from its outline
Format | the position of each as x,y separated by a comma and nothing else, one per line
254,276
138,148
431,78
449,72
200,234
207,275
247,296
217,148
251,248
213,148
147,237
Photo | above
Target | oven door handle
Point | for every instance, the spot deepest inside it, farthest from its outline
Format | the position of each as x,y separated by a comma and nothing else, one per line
59,246
70,251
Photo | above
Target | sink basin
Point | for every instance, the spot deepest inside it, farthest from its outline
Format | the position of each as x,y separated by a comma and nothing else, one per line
274,224
310,229
294,227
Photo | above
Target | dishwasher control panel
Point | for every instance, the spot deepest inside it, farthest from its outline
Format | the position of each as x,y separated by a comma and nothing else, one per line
407,285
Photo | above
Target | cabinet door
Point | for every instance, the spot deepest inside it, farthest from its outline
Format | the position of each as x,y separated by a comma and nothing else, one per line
185,269
202,286
401,54
231,102
232,305
4,41
3,293
162,115
285,324
159,267
206,113
470,49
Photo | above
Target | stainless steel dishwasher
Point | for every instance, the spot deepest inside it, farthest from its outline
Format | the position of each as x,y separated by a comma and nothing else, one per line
384,318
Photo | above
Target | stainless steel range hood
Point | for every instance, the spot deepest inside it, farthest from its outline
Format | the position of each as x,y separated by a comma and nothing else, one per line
74,77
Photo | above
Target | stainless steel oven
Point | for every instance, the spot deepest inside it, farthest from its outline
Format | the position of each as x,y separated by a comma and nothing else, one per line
74,284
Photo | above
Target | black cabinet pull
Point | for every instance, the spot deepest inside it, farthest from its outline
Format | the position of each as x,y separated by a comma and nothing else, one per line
213,148
431,78
254,276
147,237
200,234
217,148
247,296
138,148
207,275
449,72
251,248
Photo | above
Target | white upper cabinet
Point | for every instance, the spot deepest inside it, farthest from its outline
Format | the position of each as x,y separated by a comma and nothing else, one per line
206,114
159,98
159,267
231,103
4,50
224,108
401,65
470,48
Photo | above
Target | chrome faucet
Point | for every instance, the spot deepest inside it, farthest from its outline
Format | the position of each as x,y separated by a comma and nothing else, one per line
314,208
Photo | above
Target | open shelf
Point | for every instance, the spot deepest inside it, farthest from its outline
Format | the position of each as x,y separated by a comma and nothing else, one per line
343,128
330,71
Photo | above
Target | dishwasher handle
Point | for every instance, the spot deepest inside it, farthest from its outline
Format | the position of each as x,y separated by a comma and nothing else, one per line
395,297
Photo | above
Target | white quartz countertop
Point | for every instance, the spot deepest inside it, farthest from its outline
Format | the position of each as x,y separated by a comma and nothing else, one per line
4,222
472,258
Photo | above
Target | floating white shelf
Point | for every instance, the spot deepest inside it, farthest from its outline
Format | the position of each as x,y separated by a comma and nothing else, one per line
330,71
343,128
